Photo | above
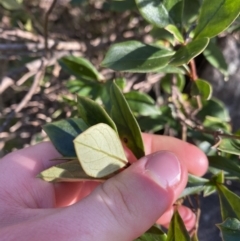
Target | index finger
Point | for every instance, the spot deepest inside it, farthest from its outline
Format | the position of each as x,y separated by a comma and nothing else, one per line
192,157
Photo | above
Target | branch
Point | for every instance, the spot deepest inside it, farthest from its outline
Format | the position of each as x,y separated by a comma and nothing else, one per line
33,66
46,24
38,77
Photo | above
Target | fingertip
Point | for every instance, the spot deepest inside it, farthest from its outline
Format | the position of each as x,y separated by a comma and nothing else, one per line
190,155
199,161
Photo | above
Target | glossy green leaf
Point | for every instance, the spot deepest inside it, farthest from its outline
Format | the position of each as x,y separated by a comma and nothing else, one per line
100,151
134,56
216,17
196,180
214,123
161,13
11,4
92,113
152,123
62,133
224,164
126,123
229,202
191,190
166,82
70,171
190,11
230,229
153,234
175,31
228,146
209,190
171,70
195,185
141,103
215,57
219,178
215,108
84,89
81,68
121,83
177,230
162,34
202,88
189,51
236,142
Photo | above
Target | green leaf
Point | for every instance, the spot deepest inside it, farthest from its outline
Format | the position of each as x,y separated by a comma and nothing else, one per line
70,171
170,70
189,51
175,31
166,82
190,11
84,89
121,83
81,68
203,88
134,56
177,230
215,57
214,123
229,202
11,4
141,103
126,123
230,229
162,34
92,113
195,185
224,164
152,123
228,146
99,151
161,13
194,237
196,180
153,234
62,133
191,190
215,108
216,17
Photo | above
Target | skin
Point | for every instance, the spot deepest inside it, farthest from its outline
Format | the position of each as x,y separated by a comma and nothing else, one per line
122,208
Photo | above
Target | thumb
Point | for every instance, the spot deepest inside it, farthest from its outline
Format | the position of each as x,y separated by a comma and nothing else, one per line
128,204
123,207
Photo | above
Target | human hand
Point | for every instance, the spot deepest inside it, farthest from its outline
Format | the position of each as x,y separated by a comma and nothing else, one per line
122,208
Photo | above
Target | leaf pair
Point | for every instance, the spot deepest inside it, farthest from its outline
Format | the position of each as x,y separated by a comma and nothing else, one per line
94,141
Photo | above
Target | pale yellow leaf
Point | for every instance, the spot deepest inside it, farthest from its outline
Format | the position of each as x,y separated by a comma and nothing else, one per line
100,151
70,171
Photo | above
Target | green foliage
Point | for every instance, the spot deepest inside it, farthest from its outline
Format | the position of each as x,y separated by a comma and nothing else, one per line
153,234
177,230
127,126
230,229
182,103
202,88
216,17
62,133
11,4
189,51
133,56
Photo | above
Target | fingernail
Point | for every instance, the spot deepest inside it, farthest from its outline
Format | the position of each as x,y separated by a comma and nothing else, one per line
164,168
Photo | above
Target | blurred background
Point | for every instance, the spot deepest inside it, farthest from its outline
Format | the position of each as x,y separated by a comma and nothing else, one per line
34,33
